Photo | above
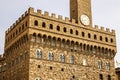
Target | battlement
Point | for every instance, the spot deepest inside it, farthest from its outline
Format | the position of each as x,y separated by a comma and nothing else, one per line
16,22
53,16
103,29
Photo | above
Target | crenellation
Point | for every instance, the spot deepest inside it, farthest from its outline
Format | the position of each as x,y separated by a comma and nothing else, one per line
17,21
31,10
67,19
113,31
46,14
107,30
39,12
102,28
11,27
73,21
46,42
96,27
20,19
53,15
26,12
23,15
60,17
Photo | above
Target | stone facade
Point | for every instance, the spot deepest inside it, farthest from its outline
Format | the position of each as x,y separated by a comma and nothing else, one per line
118,73
43,47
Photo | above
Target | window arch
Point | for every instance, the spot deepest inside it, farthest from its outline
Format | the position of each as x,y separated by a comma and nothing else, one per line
100,38
84,62
108,65
64,29
99,64
62,58
109,77
50,56
37,78
58,28
44,24
39,54
35,23
89,35
83,34
72,59
51,26
101,77
111,40
71,31
77,32
106,39
95,36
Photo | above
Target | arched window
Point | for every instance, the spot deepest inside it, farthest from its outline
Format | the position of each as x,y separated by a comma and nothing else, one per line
43,24
109,77
84,62
101,77
106,39
62,58
64,29
39,54
35,23
108,65
58,28
71,31
77,32
100,38
95,37
89,36
50,56
71,59
83,34
51,26
37,78
99,64
111,40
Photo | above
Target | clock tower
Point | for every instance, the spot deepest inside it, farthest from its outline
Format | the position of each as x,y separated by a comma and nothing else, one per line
80,10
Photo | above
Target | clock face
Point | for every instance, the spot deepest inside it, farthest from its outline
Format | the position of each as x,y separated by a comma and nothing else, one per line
85,20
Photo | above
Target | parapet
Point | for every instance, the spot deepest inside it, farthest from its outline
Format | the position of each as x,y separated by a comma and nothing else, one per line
16,22
103,29
53,16
48,15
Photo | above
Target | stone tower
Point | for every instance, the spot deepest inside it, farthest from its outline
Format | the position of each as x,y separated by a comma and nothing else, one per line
80,10
43,47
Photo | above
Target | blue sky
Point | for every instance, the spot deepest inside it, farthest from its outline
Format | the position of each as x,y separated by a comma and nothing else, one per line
104,12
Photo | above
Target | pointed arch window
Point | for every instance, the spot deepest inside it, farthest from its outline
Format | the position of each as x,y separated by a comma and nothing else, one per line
39,54
35,23
72,59
50,56
108,65
37,78
100,64
62,58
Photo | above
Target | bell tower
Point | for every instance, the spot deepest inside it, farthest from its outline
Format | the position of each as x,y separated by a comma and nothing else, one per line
80,10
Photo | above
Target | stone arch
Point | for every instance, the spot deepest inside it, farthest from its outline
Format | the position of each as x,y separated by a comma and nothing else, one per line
35,23
81,47
63,43
44,38
76,46
53,41
95,49
84,47
88,48
58,40
67,43
43,24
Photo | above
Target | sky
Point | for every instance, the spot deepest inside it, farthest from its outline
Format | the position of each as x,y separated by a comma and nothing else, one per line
105,13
